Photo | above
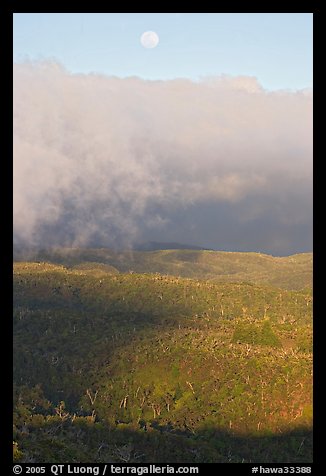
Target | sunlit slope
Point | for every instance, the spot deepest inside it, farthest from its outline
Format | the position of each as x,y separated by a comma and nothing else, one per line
185,370
290,272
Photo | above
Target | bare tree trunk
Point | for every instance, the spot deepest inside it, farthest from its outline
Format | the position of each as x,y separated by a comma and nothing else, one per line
91,397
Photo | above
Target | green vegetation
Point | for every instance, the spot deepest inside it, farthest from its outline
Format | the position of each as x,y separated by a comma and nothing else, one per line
289,272
126,367
256,334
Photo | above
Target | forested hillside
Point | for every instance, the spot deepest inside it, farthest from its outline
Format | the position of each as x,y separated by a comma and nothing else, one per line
118,366
287,272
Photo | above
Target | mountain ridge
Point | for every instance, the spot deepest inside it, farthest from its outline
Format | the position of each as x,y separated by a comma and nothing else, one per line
290,272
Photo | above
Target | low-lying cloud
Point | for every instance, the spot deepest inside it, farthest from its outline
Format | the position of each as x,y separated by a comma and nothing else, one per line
109,161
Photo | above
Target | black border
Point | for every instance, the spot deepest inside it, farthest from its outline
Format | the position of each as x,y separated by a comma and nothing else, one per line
7,9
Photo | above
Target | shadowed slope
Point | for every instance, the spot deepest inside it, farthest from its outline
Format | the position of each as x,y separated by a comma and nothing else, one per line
220,369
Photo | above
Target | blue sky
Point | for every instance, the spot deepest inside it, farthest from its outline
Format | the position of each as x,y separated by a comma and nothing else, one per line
274,47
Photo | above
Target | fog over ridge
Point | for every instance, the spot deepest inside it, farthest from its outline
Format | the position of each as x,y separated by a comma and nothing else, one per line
110,161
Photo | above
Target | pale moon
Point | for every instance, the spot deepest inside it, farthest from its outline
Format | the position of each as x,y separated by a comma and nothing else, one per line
149,39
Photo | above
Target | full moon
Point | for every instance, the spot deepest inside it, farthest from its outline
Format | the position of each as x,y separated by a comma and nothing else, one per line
149,39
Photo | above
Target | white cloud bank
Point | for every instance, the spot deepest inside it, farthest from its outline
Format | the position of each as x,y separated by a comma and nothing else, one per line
96,157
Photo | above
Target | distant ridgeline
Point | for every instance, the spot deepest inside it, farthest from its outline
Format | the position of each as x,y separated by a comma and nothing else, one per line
156,246
288,272
166,356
